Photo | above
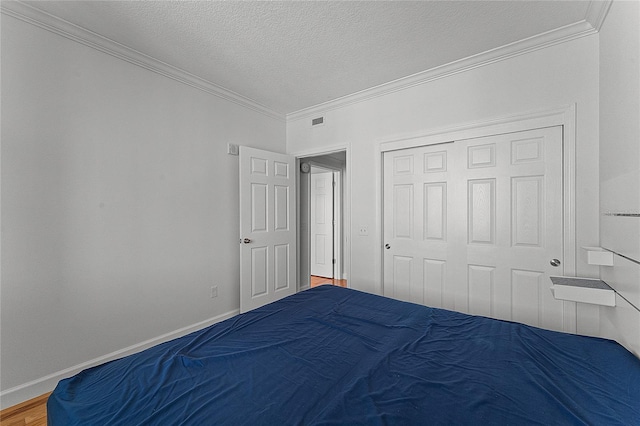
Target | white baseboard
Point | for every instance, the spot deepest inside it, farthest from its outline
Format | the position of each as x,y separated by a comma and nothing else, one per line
34,388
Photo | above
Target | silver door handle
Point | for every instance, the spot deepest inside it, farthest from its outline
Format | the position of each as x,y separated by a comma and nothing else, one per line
555,263
246,241
387,246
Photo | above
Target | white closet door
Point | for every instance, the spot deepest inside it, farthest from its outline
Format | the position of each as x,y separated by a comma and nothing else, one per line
417,233
472,225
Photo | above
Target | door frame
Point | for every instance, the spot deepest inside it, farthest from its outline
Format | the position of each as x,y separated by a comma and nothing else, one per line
563,116
300,156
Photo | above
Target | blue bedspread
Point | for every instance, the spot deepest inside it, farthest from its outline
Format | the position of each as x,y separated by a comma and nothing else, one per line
330,356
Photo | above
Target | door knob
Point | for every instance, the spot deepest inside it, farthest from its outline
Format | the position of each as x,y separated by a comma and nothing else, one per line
387,246
246,241
555,263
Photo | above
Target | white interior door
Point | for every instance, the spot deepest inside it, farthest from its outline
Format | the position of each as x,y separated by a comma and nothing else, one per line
267,227
472,226
322,223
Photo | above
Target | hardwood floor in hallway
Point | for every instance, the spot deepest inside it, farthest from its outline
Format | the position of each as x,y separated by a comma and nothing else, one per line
316,281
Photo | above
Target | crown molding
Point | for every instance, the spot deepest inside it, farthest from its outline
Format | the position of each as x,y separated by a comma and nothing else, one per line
533,119
594,18
596,12
46,21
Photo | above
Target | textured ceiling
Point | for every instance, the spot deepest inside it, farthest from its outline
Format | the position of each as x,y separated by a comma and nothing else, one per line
288,56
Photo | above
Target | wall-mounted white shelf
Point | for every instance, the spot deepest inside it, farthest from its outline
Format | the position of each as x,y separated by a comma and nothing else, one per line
598,256
584,290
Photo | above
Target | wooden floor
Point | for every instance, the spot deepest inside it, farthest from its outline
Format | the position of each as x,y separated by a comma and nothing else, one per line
32,413
316,281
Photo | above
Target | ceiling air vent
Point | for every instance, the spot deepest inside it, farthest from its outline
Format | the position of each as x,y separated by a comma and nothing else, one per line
317,121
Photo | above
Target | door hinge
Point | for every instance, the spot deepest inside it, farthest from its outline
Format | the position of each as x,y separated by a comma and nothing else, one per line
333,261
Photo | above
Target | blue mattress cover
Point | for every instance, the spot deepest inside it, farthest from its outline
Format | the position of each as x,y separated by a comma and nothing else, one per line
331,355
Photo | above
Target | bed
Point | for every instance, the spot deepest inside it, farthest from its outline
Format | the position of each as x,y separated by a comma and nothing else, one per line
331,355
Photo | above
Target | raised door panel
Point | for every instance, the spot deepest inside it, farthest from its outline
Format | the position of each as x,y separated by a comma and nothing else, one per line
259,271
527,210
281,204
259,211
403,209
435,211
481,228
282,279
481,284
525,296
434,272
402,277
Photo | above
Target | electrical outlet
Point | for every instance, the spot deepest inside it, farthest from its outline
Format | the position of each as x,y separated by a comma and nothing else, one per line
214,291
364,230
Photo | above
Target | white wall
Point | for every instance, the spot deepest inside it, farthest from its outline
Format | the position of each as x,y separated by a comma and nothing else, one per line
620,168
119,204
544,79
620,127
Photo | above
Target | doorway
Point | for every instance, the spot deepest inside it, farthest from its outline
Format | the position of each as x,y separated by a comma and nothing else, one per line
321,219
